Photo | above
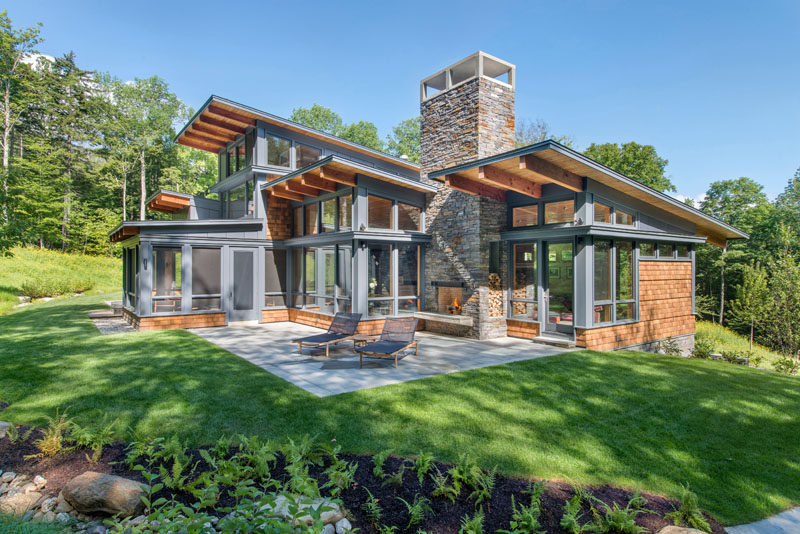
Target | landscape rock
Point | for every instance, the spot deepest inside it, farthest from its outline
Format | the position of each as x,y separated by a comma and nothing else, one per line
8,477
3,428
49,517
40,481
97,529
29,488
281,508
48,505
679,530
62,517
20,503
343,525
329,529
62,505
94,492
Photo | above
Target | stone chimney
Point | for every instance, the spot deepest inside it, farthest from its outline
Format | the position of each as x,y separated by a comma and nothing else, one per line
467,113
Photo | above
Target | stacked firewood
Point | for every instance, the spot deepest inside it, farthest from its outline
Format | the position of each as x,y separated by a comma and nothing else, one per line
495,295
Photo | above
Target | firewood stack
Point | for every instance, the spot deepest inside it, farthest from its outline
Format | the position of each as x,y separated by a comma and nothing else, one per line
495,295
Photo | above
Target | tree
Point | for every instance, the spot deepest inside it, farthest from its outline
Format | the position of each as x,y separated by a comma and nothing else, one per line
750,306
404,140
782,325
363,133
147,111
640,162
318,117
529,132
788,208
16,45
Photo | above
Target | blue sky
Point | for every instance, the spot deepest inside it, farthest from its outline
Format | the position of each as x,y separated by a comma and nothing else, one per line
714,86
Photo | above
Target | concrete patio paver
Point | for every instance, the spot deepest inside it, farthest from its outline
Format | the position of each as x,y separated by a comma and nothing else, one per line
787,522
269,346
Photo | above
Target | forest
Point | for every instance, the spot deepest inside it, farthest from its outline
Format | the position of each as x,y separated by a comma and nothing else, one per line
82,150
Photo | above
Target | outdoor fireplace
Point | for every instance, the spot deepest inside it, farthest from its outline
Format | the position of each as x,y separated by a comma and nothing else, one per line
449,297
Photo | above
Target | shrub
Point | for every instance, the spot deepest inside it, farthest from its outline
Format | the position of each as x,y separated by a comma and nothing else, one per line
703,347
733,356
787,365
669,347
45,285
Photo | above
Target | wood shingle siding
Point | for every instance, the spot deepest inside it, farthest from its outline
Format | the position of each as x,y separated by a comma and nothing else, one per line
665,309
523,329
171,322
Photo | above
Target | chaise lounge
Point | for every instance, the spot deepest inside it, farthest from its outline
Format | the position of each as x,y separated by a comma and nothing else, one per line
342,328
396,337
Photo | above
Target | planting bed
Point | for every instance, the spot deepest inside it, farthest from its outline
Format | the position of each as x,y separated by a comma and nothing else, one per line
445,517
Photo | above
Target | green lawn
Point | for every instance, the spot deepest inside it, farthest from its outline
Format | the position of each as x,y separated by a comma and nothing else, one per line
629,419
50,268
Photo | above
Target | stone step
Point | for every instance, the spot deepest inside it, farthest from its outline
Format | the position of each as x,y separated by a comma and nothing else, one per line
555,341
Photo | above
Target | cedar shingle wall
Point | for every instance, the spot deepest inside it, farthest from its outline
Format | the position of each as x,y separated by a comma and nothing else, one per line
170,322
523,329
665,309
279,219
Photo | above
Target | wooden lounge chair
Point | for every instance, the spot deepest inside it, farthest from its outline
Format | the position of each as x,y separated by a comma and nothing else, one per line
343,327
397,336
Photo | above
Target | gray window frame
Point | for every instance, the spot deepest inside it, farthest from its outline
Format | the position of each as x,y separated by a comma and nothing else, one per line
614,300
614,206
192,294
659,257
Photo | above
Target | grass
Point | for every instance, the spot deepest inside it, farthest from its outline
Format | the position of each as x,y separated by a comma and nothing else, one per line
48,267
725,340
14,525
636,420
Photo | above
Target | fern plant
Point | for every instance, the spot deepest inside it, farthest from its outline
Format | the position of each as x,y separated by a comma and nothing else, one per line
525,519
422,465
483,484
615,519
378,460
472,525
95,439
58,429
570,521
396,478
417,510
341,475
373,509
442,487
689,512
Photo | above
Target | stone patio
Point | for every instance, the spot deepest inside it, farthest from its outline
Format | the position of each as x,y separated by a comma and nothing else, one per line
269,346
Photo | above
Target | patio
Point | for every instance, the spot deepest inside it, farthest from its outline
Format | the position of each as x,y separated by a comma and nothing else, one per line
269,346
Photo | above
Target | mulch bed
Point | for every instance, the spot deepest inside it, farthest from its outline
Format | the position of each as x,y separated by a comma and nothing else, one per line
446,517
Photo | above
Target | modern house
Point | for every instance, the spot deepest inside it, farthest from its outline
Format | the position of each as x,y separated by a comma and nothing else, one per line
481,240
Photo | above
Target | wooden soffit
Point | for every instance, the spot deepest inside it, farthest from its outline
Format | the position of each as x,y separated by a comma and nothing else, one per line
123,232
165,202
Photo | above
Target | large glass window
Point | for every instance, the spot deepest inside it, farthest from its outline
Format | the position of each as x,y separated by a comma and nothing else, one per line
167,277
525,216
206,279
408,217
524,303
614,281
328,215
345,213
380,280
274,278
131,274
279,151
379,213
665,250
311,218
559,212
602,213
237,202
623,217
306,155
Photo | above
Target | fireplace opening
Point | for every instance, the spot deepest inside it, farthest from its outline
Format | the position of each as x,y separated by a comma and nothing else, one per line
449,297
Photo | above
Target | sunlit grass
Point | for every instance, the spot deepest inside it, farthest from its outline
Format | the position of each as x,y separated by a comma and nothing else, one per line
28,264
637,420
725,339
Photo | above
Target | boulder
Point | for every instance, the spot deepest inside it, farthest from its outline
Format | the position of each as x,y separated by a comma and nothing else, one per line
20,503
8,476
671,529
94,492
48,505
329,529
343,526
281,509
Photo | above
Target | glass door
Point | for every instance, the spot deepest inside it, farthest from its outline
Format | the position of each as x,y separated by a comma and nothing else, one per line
558,281
243,302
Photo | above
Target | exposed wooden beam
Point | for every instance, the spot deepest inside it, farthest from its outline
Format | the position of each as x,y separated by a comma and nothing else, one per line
281,192
472,187
204,139
336,176
506,180
214,133
222,126
194,143
319,183
160,202
550,172
230,115
295,187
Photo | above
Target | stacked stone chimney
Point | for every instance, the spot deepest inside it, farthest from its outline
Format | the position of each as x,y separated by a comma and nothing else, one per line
470,117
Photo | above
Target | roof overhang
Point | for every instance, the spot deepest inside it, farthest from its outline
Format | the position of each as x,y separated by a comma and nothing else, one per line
526,169
326,174
133,228
220,121
168,201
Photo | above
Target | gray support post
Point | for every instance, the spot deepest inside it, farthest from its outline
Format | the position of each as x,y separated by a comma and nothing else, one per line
186,278
260,282
360,277
227,283
360,209
694,281
395,274
145,303
260,152
583,283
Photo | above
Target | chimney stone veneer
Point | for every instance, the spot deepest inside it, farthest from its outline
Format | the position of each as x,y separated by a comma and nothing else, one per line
470,120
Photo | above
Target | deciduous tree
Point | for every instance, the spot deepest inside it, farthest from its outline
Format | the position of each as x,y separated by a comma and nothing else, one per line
640,162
